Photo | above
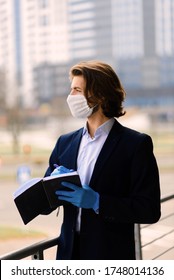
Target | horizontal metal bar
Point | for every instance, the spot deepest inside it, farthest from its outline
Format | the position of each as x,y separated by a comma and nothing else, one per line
163,253
158,238
167,197
31,250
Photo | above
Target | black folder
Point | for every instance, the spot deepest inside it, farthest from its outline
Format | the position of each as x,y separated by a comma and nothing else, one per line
38,195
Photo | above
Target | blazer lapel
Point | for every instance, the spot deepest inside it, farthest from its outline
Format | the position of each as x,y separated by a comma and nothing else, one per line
73,151
107,149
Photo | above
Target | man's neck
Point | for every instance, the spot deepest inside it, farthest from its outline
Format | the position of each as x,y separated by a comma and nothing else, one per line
94,122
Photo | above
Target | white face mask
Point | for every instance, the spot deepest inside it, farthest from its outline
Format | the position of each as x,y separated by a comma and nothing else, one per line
78,106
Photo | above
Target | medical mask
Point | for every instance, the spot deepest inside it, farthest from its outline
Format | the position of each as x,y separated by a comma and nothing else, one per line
78,106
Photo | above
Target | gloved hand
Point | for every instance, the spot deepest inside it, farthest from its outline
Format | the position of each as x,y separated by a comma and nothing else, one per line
60,170
84,197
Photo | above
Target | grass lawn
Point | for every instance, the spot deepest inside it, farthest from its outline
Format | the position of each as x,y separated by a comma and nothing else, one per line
7,232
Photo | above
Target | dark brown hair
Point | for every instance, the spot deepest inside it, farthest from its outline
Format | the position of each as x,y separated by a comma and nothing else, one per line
102,86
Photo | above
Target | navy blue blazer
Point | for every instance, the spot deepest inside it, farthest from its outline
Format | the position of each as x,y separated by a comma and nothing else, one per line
127,179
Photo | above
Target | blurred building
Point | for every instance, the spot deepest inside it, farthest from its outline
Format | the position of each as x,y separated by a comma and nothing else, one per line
33,33
45,42
144,49
8,52
90,25
41,39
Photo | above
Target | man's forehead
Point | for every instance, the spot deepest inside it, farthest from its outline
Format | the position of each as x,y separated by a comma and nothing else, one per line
78,82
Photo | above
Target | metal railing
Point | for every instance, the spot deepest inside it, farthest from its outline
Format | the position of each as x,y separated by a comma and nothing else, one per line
163,235
36,250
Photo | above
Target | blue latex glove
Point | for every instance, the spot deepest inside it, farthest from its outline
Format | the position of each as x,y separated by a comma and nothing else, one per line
84,197
60,170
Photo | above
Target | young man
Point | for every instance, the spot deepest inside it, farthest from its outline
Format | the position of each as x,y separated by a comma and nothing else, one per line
117,168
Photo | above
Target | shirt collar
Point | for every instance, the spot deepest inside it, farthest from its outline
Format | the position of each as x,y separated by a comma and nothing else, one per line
104,128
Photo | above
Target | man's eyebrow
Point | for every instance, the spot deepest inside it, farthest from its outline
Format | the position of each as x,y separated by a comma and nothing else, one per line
76,88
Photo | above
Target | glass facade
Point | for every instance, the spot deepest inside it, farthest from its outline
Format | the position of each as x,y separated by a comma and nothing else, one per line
164,15
90,29
127,25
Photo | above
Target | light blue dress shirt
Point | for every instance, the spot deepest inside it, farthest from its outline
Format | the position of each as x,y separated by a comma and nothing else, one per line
89,151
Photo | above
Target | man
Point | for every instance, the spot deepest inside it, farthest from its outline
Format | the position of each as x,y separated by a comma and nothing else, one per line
117,168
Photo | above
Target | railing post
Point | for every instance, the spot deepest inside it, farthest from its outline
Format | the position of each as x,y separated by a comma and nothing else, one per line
138,248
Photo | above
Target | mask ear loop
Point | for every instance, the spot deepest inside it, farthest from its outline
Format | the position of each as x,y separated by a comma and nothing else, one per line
95,108
94,105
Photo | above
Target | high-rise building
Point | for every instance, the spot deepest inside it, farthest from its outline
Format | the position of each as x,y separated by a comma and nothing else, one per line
8,51
44,40
32,33
164,15
90,26
41,39
135,36
144,49
127,29
164,19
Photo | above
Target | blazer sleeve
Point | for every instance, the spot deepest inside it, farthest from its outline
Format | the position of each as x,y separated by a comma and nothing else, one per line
142,204
53,160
